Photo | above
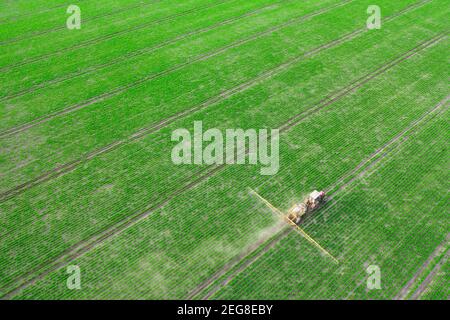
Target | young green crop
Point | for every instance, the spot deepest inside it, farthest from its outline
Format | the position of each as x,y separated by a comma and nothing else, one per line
357,114
135,109
204,239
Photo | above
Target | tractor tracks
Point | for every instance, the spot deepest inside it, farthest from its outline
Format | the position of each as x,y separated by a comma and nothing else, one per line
241,265
387,149
109,36
84,246
276,232
137,53
63,27
430,277
126,87
395,247
363,167
380,152
15,18
406,289
361,81
69,166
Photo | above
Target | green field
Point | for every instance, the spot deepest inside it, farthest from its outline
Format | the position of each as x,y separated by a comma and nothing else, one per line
87,177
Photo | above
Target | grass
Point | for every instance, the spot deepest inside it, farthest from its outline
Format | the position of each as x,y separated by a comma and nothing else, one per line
135,223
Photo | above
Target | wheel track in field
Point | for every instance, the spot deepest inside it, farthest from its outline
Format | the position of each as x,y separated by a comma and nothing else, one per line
63,27
363,80
248,259
405,290
323,103
137,53
244,264
112,35
396,148
126,87
397,246
367,163
70,166
398,137
267,240
387,256
392,152
15,18
79,249
430,277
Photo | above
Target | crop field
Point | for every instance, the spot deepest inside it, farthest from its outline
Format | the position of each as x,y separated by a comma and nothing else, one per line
93,205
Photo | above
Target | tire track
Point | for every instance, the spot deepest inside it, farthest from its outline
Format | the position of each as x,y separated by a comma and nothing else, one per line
397,138
84,246
405,290
56,172
63,27
398,245
270,245
109,36
392,152
395,150
363,80
67,167
278,230
126,87
136,53
248,262
430,277
388,149
15,18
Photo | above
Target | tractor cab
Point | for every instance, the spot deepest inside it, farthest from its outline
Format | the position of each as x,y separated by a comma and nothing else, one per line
316,198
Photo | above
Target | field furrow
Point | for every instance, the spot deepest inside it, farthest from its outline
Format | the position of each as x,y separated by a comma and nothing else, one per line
348,280
59,154
354,95
154,219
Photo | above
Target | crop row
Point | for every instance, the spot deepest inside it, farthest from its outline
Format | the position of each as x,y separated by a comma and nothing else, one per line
388,218
128,180
213,52
37,48
67,64
62,140
208,225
